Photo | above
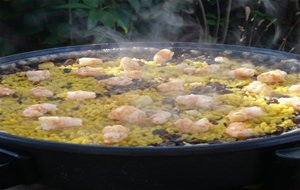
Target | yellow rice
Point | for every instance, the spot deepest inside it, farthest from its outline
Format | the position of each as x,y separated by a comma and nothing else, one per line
94,112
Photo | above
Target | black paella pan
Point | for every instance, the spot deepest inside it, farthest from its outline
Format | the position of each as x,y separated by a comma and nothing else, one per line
271,160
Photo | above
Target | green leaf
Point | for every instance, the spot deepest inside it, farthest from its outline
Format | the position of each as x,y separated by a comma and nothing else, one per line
120,18
73,6
121,24
135,4
107,18
91,3
259,14
125,8
92,19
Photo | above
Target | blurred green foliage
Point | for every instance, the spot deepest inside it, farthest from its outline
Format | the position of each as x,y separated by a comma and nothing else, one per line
37,24
27,25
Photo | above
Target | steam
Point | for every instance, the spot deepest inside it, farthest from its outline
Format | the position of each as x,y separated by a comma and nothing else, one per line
165,23
190,20
104,34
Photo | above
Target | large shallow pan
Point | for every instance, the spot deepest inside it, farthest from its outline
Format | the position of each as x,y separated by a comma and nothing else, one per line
270,160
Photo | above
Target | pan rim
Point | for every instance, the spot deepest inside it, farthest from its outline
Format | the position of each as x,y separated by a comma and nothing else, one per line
188,45
253,143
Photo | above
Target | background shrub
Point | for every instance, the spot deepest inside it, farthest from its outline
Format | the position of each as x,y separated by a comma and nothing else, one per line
37,24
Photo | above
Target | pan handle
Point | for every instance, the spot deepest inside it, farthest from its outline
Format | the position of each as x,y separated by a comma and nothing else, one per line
286,169
289,154
15,169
